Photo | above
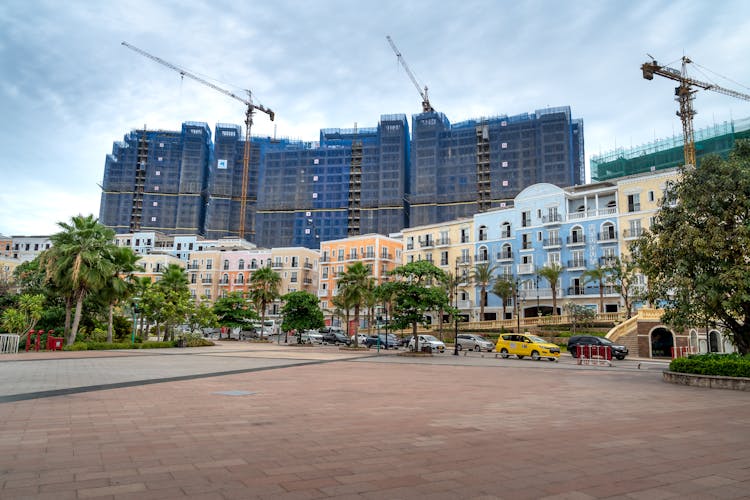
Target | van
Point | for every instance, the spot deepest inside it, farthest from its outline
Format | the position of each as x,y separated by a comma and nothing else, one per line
526,345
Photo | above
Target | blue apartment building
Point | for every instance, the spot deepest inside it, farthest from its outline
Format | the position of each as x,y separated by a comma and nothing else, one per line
575,228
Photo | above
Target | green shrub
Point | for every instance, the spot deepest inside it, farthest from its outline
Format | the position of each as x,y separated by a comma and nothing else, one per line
725,365
78,346
156,345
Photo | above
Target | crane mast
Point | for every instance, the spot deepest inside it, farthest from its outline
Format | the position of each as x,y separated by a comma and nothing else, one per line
685,94
426,106
250,110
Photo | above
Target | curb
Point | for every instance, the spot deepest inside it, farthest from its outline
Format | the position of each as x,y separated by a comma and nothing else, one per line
708,381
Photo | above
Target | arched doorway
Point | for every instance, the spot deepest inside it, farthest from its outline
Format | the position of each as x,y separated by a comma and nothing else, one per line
662,342
715,341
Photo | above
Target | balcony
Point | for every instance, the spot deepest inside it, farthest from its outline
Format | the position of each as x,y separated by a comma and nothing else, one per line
607,261
308,265
552,242
552,219
324,259
426,244
481,258
606,236
576,239
207,281
505,235
193,267
577,264
369,255
443,242
307,281
507,255
525,268
464,261
277,265
602,212
592,290
410,246
632,233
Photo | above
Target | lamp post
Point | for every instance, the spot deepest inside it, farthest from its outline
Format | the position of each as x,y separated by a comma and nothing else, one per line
537,297
455,313
135,319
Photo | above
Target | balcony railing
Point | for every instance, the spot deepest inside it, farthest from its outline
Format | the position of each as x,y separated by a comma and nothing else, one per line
552,242
575,263
444,241
427,244
602,212
308,265
505,255
525,268
632,233
606,236
505,234
607,261
481,258
576,239
591,290
463,261
207,281
552,219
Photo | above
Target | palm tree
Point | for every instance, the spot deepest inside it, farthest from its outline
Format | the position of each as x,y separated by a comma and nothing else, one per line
123,263
264,289
598,274
356,283
482,276
551,273
504,289
174,284
80,247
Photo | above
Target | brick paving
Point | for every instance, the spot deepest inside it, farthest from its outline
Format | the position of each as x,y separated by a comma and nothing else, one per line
355,426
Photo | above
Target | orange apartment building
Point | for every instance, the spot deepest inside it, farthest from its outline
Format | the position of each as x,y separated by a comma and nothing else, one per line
380,253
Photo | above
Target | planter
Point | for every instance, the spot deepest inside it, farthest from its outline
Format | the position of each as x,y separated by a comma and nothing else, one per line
708,381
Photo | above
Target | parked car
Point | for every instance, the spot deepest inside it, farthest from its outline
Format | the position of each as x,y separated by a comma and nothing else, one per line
428,340
386,341
474,342
526,345
618,351
335,337
311,337
361,337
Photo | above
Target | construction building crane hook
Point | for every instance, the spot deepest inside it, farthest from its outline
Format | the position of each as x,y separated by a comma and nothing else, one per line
426,106
251,107
685,94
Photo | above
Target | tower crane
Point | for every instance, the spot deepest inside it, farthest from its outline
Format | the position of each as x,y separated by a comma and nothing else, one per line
685,93
426,106
251,107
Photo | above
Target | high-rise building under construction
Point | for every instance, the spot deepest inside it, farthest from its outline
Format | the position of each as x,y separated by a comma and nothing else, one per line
353,181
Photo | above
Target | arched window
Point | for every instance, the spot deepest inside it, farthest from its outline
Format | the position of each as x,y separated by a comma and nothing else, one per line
240,278
225,278
483,254
608,231
482,233
506,252
253,264
505,230
576,235
242,264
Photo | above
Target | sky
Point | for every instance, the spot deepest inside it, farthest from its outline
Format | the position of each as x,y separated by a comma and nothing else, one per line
69,89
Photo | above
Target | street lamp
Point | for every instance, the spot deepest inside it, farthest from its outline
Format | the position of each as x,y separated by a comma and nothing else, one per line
519,298
455,313
537,297
135,319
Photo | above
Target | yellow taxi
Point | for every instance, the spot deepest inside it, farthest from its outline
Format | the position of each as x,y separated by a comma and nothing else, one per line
526,345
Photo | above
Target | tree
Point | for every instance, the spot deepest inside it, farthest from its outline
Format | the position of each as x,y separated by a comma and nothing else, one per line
624,278
449,285
552,273
505,289
24,316
124,262
76,263
598,274
233,311
482,277
301,312
696,255
356,284
264,289
173,285
579,314
201,315
413,295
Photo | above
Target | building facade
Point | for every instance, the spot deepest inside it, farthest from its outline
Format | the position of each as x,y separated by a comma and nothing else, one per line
350,182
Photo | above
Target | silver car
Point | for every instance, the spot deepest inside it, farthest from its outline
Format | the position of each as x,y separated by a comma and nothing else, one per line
474,342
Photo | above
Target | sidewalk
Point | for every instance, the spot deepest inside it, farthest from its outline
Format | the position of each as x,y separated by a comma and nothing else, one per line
372,427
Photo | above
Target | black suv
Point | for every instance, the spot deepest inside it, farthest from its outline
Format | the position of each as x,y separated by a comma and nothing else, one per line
386,342
618,351
335,337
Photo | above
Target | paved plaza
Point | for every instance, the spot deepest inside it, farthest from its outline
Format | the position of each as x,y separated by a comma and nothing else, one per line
244,420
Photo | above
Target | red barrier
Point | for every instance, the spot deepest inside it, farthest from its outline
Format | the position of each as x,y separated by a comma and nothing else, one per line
30,339
54,343
594,354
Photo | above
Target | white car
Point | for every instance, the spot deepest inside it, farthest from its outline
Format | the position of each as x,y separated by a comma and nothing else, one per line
311,337
474,342
360,339
428,340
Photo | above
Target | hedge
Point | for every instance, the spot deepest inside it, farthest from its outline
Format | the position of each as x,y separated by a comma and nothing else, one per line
98,346
724,365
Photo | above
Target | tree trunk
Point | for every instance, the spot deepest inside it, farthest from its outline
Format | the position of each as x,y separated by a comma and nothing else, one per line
601,299
68,314
482,293
76,320
356,325
109,322
416,337
440,323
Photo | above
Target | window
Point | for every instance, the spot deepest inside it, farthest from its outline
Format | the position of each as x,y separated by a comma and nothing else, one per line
153,219
444,258
242,264
526,218
525,242
553,258
156,204
226,265
505,230
410,243
482,233
635,228
158,172
209,263
651,196
325,272
293,278
464,236
634,202
341,254
156,188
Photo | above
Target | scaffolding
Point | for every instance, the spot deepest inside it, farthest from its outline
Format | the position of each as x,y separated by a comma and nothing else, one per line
668,152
